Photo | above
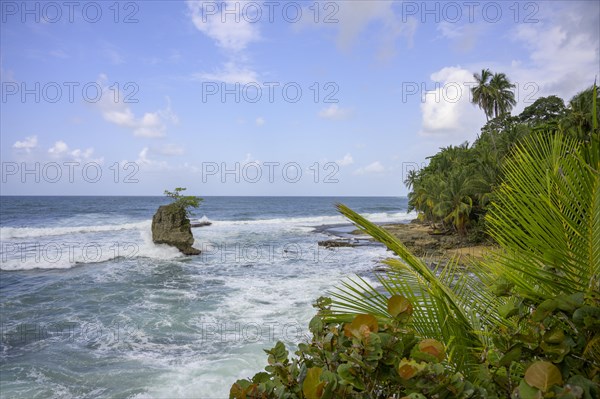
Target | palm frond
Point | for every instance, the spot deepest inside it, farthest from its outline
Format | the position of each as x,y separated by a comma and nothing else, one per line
547,218
448,304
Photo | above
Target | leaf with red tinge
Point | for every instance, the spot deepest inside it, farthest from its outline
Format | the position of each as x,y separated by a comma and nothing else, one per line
433,347
362,323
398,305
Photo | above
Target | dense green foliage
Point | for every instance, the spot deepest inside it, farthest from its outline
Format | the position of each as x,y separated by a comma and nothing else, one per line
453,192
186,202
367,358
522,323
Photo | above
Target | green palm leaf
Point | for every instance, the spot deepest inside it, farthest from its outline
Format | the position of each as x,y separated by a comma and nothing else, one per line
547,219
449,304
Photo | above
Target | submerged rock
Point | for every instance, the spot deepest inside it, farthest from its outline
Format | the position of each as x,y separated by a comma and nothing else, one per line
171,226
201,222
337,243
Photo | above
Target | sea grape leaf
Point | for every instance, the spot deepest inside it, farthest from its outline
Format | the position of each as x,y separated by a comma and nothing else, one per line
312,387
544,309
399,305
432,347
407,369
361,326
543,375
568,303
529,392
588,316
350,375
315,325
512,355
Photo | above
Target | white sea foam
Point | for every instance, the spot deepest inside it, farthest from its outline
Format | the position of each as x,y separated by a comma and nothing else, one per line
63,255
139,239
36,232
321,220
149,249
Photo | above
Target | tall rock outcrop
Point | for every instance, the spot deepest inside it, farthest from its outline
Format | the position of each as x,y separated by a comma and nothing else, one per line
171,226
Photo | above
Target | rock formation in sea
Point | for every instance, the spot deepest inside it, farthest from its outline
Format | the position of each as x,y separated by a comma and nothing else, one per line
170,225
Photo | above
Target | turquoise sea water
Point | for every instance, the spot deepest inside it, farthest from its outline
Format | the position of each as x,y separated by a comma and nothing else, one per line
90,307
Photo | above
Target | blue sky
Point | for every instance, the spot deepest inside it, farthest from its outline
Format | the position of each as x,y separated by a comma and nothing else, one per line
171,100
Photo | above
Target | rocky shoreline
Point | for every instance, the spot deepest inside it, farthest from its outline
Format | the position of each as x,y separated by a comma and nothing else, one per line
417,237
421,241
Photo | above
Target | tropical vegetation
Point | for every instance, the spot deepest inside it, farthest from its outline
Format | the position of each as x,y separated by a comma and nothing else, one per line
454,191
523,322
185,202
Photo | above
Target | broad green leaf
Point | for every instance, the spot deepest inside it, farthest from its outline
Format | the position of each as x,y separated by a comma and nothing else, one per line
312,387
433,347
543,375
529,392
407,369
512,355
397,305
361,326
350,375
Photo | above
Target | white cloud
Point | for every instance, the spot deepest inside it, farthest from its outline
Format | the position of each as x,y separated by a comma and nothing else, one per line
447,109
464,36
150,124
231,73
334,112
27,145
169,150
372,168
260,121
347,160
564,33
60,149
563,50
143,160
232,31
353,18
85,155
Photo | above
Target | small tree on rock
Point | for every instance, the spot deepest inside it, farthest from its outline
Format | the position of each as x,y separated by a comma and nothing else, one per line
186,202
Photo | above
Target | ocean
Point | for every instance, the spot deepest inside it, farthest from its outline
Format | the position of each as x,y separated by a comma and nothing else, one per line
91,308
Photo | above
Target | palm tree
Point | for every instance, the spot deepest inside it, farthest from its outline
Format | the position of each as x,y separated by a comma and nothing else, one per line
481,94
456,200
425,195
493,93
411,178
578,120
503,97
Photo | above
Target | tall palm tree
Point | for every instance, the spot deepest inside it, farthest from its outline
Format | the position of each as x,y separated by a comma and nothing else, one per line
493,93
503,97
411,178
481,94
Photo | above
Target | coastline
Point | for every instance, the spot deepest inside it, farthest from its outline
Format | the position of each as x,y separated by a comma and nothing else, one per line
419,240
434,247
417,237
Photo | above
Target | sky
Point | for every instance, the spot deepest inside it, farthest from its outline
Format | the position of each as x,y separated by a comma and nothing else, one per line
329,98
